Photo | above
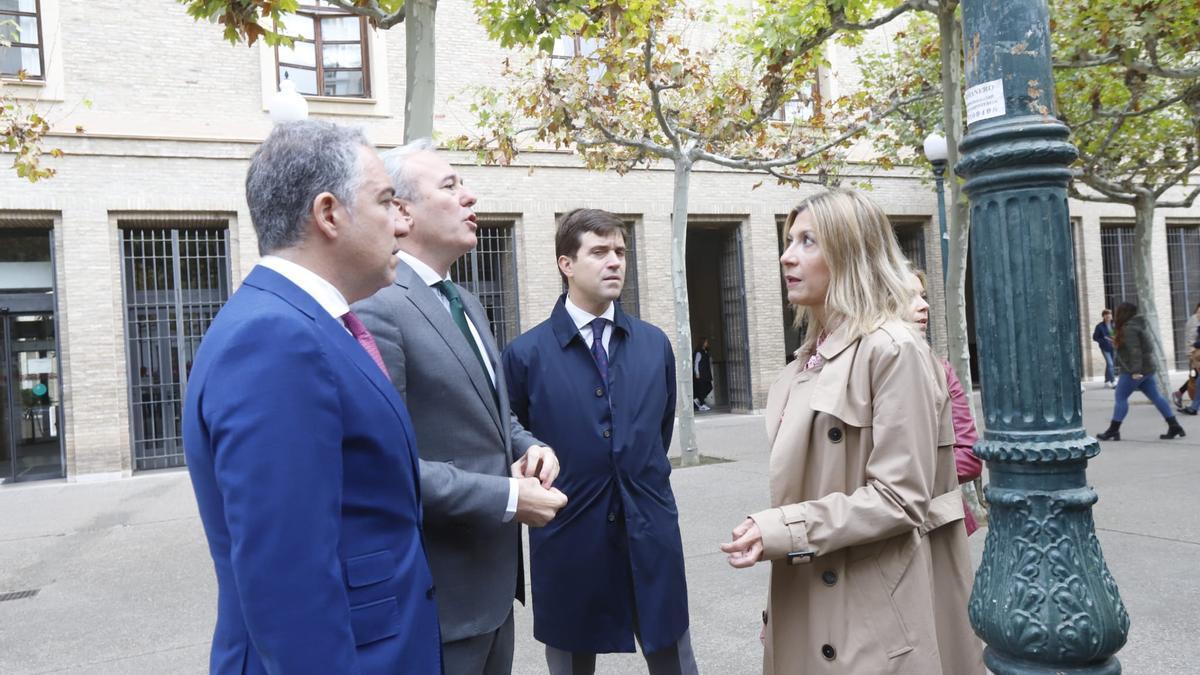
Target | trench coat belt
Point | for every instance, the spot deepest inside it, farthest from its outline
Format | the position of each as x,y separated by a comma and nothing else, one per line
945,508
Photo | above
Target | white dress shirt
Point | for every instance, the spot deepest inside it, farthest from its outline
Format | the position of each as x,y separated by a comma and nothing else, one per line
326,294
430,278
583,321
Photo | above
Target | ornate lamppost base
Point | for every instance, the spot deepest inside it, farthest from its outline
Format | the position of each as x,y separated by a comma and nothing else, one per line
1001,664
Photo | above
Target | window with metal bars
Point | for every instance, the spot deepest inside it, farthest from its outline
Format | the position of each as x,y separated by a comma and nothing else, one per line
175,281
489,271
1116,252
21,28
1183,260
911,237
629,293
329,54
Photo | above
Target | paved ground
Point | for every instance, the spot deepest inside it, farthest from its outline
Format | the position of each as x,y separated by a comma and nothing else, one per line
126,585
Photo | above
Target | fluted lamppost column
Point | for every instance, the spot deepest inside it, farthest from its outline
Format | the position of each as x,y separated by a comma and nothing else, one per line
1043,601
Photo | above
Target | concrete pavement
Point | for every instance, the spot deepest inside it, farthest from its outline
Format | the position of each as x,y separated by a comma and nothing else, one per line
125,583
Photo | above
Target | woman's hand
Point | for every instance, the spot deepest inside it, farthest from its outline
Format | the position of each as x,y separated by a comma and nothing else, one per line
746,547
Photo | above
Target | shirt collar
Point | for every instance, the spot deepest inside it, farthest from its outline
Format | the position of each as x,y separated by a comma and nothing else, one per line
325,293
583,318
424,271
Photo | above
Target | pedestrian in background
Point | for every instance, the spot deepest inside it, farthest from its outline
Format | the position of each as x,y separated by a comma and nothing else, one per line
967,465
1135,363
702,376
870,571
1193,370
1102,336
1191,333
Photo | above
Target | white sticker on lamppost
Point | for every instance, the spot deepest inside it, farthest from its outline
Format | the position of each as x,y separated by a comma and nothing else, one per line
985,101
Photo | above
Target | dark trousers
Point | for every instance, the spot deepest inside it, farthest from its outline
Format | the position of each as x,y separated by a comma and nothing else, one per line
487,654
674,660
701,389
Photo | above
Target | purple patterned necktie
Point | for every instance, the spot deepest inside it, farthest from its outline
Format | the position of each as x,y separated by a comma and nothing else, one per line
598,352
360,333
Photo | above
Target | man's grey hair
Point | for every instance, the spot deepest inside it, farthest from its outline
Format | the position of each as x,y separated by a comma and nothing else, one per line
395,161
297,162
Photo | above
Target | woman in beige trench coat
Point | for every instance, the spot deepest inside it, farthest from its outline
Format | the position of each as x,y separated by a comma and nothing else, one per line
869,564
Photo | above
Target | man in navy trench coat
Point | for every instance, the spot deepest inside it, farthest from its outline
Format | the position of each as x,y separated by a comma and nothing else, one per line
610,566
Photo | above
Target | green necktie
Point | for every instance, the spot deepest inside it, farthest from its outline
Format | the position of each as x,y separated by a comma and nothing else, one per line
460,317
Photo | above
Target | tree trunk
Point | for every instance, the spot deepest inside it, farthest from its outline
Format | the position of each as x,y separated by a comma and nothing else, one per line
957,347
419,64
1143,280
683,319
957,341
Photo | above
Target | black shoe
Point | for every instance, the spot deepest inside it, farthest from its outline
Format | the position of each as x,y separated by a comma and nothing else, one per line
1173,430
1187,411
1113,433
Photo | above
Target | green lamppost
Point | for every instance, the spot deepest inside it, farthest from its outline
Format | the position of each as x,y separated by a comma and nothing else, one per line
1044,601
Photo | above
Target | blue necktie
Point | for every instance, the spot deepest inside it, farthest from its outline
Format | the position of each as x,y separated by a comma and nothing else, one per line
598,352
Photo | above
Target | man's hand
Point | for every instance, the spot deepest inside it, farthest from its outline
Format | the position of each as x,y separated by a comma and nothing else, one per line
746,547
536,505
539,462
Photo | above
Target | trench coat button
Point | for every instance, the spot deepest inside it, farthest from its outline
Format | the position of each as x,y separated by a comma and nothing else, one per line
612,517
828,652
835,435
608,433
430,592
829,577
599,391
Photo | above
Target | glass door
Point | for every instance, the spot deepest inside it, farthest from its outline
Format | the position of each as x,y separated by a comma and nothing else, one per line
29,391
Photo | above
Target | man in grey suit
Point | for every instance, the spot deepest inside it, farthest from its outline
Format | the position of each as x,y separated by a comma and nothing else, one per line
481,473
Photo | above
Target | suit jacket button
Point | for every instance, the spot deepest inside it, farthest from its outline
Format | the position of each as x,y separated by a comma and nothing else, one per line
828,652
612,517
835,435
829,577
430,593
599,391
608,433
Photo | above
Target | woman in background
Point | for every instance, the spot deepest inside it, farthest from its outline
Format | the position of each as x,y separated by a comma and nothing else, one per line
870,571
968,466
1135,362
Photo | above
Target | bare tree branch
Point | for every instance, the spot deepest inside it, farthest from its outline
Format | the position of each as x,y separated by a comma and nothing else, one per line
1110,190
643,144
1178,177
765,165
1152,67
1185,203
771,101
655,99
372,11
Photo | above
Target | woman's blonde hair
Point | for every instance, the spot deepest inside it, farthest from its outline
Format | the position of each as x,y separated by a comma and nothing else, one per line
868,276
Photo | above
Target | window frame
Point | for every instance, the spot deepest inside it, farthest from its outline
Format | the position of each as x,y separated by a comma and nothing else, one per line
316,13
40,46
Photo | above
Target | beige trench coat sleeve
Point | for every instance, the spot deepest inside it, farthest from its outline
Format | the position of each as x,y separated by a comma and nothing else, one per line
899,473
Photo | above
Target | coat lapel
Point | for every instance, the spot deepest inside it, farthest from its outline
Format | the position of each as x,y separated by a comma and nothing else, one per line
484,326
427,302
273,282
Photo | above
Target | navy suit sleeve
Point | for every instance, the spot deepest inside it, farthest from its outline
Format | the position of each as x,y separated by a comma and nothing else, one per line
668,423
518,396
276,431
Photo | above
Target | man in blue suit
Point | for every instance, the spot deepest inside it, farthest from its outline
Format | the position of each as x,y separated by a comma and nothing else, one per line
300,452
599,387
